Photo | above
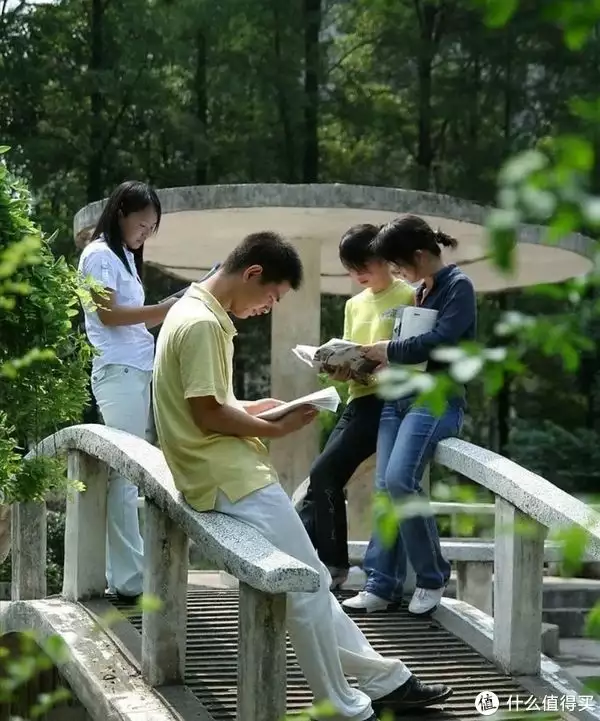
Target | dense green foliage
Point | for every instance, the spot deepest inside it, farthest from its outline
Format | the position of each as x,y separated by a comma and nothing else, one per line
43,360
417,94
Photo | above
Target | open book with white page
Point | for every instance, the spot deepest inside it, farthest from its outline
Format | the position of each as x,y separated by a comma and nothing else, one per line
410,321
326,399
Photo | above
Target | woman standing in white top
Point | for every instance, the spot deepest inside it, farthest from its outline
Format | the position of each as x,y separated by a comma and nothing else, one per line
122,369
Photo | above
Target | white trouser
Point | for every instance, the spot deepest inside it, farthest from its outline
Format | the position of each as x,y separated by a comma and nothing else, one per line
123,397
327,642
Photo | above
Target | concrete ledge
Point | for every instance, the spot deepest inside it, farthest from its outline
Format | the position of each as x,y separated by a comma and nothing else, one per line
477,629
465,550
105,683
533,495
230,545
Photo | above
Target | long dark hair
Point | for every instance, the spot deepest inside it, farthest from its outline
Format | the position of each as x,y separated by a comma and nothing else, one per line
399,239
130,197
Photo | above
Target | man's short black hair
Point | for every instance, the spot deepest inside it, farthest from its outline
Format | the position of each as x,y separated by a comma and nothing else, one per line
356,248
278,258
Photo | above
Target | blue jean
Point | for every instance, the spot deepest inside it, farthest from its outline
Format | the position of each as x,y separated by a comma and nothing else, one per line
406,443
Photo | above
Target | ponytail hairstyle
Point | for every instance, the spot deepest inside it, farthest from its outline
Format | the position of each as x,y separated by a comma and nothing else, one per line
399,240
130,197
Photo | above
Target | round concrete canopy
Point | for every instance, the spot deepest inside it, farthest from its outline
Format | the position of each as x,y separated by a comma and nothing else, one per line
202,224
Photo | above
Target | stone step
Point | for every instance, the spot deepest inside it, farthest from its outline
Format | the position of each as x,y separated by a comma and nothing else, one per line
570,621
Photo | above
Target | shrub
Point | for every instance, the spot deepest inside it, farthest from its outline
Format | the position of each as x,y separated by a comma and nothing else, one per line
43,358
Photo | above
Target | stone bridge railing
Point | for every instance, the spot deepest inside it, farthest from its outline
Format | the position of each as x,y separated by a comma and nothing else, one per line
265,574
526,506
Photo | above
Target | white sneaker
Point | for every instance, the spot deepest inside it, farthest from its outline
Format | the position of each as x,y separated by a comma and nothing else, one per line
366,602
425,600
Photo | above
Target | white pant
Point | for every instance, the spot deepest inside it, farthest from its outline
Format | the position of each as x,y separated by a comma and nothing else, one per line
327,642
123,397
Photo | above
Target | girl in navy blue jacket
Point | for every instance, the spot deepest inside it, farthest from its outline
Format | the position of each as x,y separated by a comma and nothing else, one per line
408,434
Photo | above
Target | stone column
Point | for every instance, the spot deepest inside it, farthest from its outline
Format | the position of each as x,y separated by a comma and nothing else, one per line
296,319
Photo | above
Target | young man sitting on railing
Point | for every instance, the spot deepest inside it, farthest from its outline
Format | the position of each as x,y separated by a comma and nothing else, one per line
211,442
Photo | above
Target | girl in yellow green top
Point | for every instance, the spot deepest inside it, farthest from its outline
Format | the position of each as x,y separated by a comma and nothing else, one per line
368,318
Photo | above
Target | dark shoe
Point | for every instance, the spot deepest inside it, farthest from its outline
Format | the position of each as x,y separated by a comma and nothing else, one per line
413,694
127,600
339,576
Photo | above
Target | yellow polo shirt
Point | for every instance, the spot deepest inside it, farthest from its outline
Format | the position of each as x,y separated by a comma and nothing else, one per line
194,358
369,317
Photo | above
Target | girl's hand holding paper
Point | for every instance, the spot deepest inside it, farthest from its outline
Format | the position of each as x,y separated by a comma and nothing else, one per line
377,353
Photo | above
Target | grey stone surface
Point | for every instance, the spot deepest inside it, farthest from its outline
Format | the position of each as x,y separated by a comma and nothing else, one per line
474,584
85,529
5,532
29,551
533,495
477,629
334,195
519,570
105,683
262,662
230,545
164,630
465,550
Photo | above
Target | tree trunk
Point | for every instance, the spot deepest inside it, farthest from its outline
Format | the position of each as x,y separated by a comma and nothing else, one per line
94,170
312,28
429,18
283,105
200,86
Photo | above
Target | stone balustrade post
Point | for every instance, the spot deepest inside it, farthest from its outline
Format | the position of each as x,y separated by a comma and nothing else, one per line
262,675
166,554
28,551
85,529
518,577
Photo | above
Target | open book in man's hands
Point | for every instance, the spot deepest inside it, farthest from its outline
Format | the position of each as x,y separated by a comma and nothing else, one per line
335,354
327,399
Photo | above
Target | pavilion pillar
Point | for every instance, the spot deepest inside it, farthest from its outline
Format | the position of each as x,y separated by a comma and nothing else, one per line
296,319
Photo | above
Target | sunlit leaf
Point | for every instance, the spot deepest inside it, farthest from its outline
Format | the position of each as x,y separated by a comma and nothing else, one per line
149,603
466,369
592,622
521,166
576,36
573,540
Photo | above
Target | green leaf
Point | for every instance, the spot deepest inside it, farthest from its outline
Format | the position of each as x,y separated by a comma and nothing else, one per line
502,226
565,222
576,36
518,169
465,370
4,149
585,109
149,604
592,622
499,12
57,649
574,541
386,521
